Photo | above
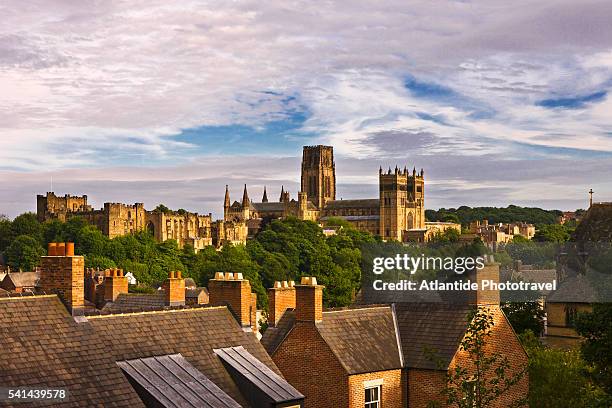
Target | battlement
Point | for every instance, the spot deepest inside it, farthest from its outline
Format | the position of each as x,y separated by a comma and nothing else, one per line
389,174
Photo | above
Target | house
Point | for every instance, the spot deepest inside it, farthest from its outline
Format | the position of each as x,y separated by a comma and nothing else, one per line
390,355
188,357
20,282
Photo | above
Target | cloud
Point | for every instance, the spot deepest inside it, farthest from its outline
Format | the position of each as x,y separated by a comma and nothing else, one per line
157,84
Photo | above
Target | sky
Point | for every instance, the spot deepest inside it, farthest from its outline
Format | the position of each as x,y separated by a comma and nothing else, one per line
168,101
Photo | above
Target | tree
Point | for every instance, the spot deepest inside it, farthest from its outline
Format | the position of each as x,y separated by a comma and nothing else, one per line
27,224
487,376
596,328
24,253
162,209
559,378
553,233
525,316
5,233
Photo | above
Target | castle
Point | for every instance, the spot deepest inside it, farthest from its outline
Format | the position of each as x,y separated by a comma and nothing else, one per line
117,219
398,213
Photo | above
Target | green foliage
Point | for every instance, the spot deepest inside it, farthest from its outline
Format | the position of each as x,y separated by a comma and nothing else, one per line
525,316
559,379
487,376
512,213
162,209
596,328
24,253
553,233
101,262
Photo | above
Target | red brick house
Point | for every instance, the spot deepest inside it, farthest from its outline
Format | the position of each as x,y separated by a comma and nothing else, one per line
376,356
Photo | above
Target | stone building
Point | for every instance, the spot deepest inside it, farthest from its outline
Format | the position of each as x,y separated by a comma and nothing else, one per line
118,219
501,233
398,212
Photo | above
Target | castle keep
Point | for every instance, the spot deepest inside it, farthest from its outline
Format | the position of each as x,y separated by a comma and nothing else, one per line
398,212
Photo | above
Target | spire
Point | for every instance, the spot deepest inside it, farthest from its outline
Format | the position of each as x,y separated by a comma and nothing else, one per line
282,196
264,199
245,197
226,203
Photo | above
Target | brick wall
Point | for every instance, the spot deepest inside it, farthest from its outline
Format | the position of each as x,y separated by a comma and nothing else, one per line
425,386
392,388
503,340
64,275
310,366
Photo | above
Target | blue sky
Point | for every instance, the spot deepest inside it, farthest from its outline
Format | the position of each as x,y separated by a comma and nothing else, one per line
161,101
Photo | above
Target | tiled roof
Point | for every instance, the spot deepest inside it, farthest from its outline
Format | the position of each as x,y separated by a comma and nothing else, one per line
266,386
274,336
171,381
361,203
430,333
43,345
364,340
194,333
590,288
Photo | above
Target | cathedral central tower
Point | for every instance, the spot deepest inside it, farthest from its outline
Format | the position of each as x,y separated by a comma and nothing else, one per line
319,174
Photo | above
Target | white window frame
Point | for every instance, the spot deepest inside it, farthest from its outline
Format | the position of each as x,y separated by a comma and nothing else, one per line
374,403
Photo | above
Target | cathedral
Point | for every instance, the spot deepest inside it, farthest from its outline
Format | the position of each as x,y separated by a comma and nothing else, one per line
397,214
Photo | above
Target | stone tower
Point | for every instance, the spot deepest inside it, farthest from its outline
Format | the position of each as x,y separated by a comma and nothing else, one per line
319,174
402,205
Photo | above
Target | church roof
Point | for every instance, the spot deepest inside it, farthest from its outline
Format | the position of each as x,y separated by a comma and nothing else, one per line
360,203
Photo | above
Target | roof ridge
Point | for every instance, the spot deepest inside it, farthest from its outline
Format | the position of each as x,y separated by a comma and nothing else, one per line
193,309
354,309
27,297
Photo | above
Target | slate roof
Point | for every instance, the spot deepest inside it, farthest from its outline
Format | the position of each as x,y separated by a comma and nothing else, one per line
430,333
194,333
134,302
172,381
360,203
364,340
43,345
590,288
22,279
274,336
242,364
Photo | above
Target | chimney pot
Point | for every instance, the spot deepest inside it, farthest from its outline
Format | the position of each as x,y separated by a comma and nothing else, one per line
219,276
61,249
277,284
305,280
179,275
69,248
238,276
285,284
229,276
52,249
291,284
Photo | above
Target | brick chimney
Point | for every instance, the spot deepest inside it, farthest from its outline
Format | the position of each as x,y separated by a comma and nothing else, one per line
231,289
280,298
63,273
489,272
115,283
174,287
309,300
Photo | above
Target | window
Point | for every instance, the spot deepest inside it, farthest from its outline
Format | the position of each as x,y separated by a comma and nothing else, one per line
372,397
